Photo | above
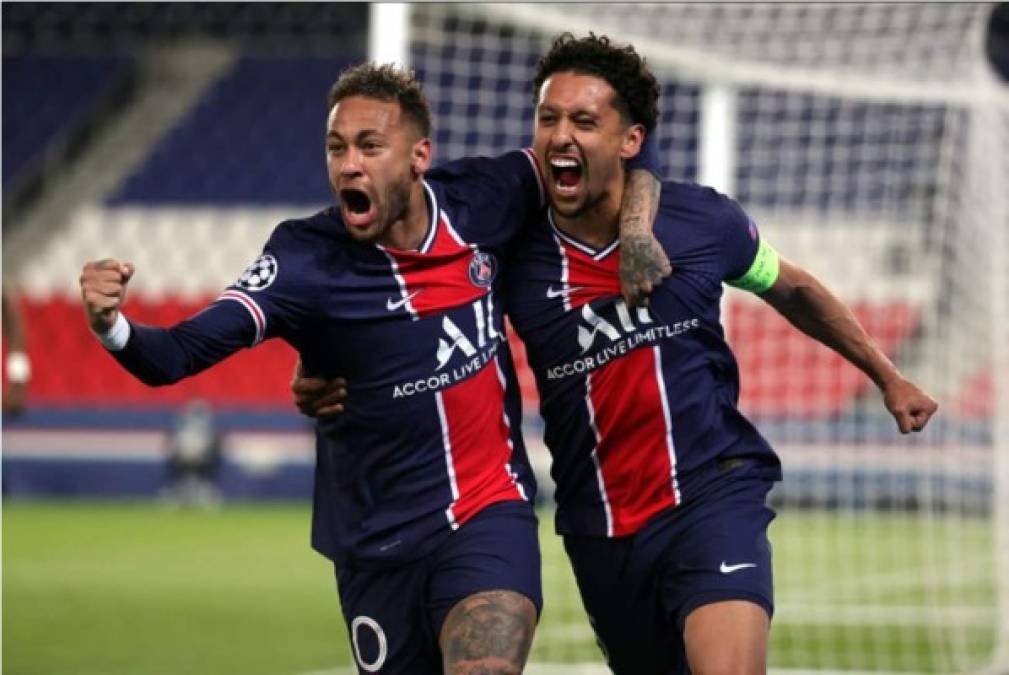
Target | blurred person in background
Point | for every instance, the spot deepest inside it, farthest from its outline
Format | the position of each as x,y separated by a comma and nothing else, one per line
423,489
17,366
661,481
194,457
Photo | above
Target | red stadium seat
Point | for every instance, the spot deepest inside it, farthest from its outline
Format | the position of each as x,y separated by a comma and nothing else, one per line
70,367
783,372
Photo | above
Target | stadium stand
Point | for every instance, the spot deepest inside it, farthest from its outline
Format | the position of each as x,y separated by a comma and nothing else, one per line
51,103
775,378
254,138
47,97
113,27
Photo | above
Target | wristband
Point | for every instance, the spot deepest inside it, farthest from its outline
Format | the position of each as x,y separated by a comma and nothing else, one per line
114,339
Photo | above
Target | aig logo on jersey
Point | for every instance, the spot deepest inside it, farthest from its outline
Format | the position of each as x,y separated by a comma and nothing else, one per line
259,274
612,337
482,269
460,353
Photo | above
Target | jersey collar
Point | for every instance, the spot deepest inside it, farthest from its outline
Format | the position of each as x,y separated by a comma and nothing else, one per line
591,251
432,226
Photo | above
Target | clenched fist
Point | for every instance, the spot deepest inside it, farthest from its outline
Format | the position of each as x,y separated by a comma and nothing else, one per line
103,290
910,406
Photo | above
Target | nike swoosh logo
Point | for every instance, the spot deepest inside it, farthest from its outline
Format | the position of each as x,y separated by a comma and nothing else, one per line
729,569
393,305
561,293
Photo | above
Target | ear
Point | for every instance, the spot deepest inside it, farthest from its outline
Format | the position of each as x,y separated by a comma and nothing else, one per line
633,138
420,157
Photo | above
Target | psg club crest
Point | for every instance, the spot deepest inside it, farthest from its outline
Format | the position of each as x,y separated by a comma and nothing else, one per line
259,274
482,269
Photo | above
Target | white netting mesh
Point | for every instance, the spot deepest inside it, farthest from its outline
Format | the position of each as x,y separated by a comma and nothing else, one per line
924,43
869,141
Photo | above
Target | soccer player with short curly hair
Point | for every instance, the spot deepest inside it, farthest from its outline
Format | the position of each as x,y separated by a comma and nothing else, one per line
636,91
661,481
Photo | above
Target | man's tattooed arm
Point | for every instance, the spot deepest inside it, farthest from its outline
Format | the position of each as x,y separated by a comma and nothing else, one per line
488,633
643,262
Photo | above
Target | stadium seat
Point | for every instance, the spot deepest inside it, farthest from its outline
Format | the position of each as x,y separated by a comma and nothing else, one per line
784,373
47,97
776,361
256,137
70,368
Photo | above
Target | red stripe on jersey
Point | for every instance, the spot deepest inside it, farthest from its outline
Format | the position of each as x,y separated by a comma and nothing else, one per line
588,278
255,312
479,446
635,457
439,279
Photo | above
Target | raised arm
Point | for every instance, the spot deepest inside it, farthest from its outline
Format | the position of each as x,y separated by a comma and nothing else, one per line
159,356
802,299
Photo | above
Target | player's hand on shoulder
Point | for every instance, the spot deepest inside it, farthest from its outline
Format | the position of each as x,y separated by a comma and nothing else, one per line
316,396
643,266
910,406
103,291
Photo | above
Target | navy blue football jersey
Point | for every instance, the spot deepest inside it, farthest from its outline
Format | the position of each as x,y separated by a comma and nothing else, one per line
431,429
639,404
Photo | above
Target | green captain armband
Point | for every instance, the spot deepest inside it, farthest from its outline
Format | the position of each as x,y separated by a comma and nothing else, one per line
762,273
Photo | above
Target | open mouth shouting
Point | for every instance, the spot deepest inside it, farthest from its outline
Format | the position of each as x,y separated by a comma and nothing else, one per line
357,207
566,175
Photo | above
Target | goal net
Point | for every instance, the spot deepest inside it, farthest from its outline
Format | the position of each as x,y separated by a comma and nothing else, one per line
870,143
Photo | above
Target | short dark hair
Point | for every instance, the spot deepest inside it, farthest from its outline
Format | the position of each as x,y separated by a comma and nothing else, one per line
385,82
621,66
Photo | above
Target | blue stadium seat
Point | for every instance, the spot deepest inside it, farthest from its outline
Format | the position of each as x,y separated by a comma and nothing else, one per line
47,97
256,137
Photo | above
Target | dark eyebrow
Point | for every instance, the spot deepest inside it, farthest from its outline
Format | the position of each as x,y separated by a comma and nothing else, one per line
361,135
579,112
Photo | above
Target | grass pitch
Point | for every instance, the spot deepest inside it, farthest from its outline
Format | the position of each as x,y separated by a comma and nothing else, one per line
131,588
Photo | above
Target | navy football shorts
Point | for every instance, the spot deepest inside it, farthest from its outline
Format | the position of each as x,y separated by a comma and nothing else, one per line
395,615
638,590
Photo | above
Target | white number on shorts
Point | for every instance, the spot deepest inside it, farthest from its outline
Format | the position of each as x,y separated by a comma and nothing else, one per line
383,646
